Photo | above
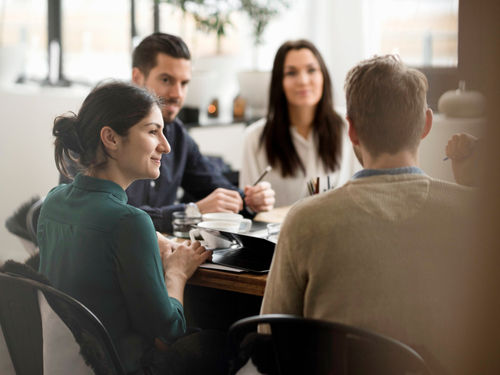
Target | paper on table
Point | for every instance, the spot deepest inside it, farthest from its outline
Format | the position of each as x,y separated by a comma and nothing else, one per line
276,215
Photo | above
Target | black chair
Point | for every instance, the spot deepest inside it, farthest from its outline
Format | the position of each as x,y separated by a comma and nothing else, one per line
288,344
19,224
23,223
32,219
48,332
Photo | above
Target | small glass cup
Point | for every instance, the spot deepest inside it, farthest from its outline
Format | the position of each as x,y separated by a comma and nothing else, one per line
273,231
181,224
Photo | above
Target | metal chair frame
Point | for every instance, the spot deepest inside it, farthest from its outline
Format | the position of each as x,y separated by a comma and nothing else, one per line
297,345
21,323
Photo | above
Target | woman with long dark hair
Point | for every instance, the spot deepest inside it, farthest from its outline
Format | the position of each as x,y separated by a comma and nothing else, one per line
106,253
302,137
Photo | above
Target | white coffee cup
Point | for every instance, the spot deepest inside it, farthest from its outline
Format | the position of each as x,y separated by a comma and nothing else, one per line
227,226
210,239
224,218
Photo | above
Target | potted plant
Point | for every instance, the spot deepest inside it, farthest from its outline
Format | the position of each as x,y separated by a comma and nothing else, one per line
209,15
260,13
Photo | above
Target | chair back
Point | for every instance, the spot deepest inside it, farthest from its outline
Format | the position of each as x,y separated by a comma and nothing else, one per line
32,219
294,345
48,332
19,224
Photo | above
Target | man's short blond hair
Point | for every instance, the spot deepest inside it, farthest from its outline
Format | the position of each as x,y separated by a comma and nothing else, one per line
387,103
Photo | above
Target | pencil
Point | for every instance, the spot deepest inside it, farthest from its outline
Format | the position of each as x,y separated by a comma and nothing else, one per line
310,188
263,174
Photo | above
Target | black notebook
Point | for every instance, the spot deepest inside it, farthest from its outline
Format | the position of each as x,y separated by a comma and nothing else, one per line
246,253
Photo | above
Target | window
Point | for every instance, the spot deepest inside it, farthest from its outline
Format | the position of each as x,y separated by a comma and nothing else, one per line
23,40
423,32
96,39
203,41
143,17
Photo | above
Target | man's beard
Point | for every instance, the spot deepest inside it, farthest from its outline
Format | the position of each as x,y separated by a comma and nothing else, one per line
169,116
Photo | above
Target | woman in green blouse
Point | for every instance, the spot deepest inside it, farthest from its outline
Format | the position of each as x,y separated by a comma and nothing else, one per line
106,253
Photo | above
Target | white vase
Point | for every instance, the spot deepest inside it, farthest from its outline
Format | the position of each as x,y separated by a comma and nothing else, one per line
462,103
254,88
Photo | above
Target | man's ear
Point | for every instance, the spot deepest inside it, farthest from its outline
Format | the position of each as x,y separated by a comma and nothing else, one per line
428,123
138,77
353,135
109,138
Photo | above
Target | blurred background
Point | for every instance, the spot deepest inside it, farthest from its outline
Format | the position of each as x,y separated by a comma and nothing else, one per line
84,41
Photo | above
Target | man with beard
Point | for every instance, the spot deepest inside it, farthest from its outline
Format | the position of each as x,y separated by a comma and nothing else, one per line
161,63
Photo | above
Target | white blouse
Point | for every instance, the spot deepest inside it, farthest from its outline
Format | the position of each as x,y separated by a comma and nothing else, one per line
292,188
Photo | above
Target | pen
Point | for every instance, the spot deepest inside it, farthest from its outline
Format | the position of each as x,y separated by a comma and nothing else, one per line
446,158
310,188
266,171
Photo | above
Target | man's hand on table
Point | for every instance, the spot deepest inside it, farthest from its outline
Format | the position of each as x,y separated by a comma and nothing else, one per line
221,200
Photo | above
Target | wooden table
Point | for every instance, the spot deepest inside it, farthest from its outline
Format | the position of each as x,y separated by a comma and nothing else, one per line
234,282
242,282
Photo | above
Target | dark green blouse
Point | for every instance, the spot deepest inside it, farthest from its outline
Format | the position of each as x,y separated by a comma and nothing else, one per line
104,252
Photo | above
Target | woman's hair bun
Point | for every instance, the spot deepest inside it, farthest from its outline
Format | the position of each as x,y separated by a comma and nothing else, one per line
65,131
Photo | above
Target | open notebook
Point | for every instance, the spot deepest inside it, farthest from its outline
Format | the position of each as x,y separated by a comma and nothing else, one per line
241,253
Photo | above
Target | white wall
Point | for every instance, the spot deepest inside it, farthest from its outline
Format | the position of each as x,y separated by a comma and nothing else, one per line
225,141
337,30
27,165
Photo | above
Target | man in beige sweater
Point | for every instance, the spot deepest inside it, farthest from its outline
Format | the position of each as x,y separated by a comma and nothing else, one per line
388,251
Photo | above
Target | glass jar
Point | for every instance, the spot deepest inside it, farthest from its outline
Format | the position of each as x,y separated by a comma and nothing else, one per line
182,224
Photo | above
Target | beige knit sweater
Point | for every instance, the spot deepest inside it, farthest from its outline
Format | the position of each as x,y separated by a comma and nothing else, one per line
386,253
